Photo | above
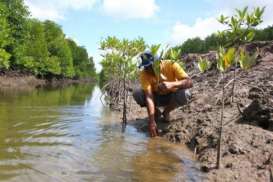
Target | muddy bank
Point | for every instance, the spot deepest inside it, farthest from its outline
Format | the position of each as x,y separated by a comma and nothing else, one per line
13,80
26,82
247,144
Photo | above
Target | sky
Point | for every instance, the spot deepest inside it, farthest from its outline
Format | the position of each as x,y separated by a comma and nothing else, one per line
157,21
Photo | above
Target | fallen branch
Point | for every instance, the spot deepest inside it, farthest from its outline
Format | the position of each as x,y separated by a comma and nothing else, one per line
231,81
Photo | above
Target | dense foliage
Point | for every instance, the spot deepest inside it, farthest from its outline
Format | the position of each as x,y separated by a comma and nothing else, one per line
39,47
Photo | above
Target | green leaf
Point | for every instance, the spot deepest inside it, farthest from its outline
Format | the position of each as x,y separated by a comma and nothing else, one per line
229,57
154,49
244,11
156,67
246,60
4,59
250,36
222,19
225,58
203,64
175,54
234,23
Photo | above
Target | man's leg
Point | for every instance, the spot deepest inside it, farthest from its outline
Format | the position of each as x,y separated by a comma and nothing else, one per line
179,98
139,97
168,109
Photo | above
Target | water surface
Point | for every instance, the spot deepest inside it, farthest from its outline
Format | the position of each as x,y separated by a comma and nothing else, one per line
67,135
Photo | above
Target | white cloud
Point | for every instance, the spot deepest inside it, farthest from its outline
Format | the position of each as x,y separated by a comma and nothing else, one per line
129,9
201,28
206,26
56,9
124,9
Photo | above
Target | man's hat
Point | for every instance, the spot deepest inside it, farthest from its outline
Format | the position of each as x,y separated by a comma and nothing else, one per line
147,59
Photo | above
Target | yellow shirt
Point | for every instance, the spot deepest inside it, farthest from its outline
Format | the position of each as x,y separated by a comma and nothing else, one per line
169,71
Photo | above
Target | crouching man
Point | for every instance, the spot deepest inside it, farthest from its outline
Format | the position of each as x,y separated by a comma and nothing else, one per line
169,90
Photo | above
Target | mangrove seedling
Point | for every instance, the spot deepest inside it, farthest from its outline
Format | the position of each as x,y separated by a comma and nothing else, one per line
246,60
120,69
203,64
240,30
225,60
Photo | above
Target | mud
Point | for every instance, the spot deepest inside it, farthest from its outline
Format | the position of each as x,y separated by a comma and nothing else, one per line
247,143
20,83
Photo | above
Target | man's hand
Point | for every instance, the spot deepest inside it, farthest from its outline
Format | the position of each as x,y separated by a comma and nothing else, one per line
151,112
153,129
166,86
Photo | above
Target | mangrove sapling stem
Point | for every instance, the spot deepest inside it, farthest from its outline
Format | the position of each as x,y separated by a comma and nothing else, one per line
233,83
124,118
218,82
220,129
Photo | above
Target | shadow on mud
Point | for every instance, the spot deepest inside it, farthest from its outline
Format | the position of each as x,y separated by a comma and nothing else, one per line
258,112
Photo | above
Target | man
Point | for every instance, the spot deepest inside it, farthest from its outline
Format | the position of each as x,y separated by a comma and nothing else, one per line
167,90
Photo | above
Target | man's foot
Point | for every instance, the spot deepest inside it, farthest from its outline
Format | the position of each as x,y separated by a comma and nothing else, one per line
167,117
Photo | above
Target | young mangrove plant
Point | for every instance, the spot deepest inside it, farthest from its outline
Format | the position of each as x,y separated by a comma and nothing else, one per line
224,62
225,59
203,64
247,60
240,30
119,70
175,57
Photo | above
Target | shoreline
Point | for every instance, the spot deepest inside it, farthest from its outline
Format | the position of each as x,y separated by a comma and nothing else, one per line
25,82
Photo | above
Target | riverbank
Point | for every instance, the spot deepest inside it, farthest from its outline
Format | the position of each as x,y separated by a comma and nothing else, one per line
247,143
12,80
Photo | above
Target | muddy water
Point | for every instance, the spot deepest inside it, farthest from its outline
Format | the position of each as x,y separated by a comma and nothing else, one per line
67,135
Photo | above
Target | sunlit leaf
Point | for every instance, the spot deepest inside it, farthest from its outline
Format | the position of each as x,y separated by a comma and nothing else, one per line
250,36
225,58
204,64
156,67
154,49
222,19
246,60
4,59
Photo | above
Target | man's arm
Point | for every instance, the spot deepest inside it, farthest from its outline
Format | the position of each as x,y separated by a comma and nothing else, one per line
151,113
180,84
184,84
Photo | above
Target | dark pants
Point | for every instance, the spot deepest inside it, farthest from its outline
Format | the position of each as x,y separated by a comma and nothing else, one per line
180,97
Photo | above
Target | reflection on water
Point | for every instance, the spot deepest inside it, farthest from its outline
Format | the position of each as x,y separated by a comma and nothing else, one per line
67,135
